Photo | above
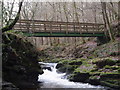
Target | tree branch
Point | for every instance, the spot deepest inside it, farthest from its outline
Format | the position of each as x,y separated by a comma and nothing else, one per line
11,25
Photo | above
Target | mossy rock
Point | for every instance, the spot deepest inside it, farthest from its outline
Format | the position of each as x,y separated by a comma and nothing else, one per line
56,60
62,62
79,77
109,75
115,84
104,62
59,65
115,53
71,62
110,80
115,67
68,66
75,62
94,80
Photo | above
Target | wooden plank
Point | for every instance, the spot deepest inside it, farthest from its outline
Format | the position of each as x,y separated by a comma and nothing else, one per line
57,27
82,24
55,30
59,22
47,26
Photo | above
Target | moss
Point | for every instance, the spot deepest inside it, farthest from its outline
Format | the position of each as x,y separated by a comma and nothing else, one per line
70,62
67,68
81,59
91,56
64,61
119,70
111,83
103,62
75,62
77,70
94,70
95,80
111,67
78,76
56,60
68,65
107,67
95,77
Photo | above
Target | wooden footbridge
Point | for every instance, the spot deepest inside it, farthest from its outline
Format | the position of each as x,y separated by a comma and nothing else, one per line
38,28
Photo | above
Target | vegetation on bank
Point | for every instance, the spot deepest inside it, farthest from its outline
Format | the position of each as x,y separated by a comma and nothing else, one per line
98,71
89,63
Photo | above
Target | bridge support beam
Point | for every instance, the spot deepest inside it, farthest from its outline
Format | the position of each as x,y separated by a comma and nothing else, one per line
102,40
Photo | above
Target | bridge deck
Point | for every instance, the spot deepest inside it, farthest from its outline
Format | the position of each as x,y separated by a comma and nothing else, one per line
38,28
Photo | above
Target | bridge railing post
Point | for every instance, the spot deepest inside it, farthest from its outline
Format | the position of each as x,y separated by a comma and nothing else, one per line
66,28
74,27
45,27
39,26
98,28
80,29
50,28
28,26
33,26
94,28
60,27
86,28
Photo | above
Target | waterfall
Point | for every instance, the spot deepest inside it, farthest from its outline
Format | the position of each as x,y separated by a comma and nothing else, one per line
52,79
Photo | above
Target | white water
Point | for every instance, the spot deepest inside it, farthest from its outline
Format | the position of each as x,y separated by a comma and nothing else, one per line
52,79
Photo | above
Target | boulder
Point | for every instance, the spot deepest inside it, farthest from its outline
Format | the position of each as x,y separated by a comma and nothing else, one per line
104,62
79,77
48,68
59,65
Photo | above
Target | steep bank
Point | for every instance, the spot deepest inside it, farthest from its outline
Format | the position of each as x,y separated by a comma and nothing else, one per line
20,61
98,65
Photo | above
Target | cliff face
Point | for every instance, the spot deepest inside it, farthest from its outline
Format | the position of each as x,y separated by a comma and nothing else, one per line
20,61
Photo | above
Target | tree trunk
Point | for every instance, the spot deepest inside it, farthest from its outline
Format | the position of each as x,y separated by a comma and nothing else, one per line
119,11
106,20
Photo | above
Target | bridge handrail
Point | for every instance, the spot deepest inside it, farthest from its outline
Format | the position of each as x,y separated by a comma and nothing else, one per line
58,26
57,22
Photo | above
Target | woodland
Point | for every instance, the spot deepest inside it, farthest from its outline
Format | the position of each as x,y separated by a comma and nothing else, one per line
88,59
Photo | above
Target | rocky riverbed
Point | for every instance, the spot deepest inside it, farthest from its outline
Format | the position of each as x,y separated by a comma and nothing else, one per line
88,62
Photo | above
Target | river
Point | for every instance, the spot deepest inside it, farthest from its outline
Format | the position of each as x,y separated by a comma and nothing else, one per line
52,79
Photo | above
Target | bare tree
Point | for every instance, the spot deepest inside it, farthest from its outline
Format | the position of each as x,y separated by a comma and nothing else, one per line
106,20
11,25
